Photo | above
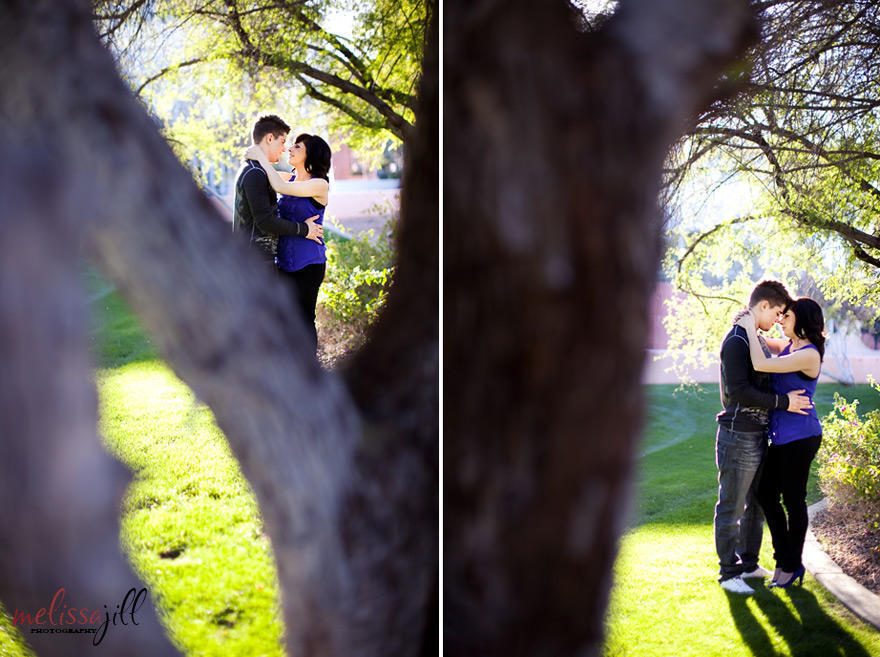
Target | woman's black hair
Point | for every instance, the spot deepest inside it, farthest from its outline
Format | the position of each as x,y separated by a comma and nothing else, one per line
809,322
317,155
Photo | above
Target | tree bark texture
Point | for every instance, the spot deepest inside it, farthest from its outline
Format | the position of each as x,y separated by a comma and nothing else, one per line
59,490
554,141
347,489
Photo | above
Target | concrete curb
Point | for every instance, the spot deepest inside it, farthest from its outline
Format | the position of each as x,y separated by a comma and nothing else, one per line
853,595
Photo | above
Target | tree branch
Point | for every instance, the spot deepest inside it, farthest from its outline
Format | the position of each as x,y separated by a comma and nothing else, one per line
706,297
354,63
338,104
339,58
118,18
753,135
234,20
866,103
165,71
850,233
862,255
396,124
829,42
708,233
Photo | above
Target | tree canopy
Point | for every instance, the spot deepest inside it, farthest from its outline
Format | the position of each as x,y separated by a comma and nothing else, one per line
206,66
797,128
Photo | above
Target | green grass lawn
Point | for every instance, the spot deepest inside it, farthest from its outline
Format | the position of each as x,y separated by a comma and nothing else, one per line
190,524
666,601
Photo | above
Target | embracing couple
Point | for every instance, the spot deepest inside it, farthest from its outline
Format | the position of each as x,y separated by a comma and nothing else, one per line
767,388
287,233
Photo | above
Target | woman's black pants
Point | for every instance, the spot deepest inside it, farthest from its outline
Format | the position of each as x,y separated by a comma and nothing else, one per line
305,283
785,473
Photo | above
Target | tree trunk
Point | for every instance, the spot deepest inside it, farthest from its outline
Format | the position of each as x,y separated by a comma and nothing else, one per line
554,143
346,486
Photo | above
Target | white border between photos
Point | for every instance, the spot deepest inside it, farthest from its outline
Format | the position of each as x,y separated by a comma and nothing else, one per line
440,32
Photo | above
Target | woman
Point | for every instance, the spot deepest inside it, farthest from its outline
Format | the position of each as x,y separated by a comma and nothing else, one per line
302,261
794,437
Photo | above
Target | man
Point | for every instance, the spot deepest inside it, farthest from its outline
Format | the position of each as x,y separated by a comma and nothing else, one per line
256,203
747,397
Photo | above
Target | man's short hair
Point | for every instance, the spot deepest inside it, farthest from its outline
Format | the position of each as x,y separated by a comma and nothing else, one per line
269,124
772,291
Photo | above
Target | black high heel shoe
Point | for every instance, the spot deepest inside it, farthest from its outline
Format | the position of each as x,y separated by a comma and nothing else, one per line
796,575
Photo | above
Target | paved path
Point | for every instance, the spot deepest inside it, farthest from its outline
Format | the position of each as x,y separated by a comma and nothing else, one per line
856,597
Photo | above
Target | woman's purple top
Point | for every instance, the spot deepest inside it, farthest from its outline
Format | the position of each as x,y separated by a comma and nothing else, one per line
787,427
294,253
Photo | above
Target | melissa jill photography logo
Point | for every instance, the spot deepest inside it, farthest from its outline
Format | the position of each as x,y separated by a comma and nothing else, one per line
58,618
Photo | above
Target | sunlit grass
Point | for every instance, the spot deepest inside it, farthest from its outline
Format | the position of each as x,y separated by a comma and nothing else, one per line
190,524
11,641
666,600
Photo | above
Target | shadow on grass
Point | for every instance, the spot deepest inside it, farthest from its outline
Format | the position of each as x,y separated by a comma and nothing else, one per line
811,632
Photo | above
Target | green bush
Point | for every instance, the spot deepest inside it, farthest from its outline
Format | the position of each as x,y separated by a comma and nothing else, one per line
849,459
359,272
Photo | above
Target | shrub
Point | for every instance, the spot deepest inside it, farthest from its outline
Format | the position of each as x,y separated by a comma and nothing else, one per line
359,272
849,459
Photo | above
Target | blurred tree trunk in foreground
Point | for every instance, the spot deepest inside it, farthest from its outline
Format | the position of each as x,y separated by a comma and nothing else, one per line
346,475
555,136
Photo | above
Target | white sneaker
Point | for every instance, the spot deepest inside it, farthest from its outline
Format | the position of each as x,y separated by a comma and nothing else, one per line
736,585
757,572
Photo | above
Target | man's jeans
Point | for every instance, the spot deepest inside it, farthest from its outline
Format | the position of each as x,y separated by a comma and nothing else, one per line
738,518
